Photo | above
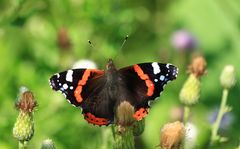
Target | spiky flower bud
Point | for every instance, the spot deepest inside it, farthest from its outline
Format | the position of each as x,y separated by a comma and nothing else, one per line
23,129
48,144
228,77
124,114
190,91
172,135
123,131
138,127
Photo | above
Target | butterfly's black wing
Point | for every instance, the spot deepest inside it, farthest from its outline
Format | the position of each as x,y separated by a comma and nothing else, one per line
85,88
145,82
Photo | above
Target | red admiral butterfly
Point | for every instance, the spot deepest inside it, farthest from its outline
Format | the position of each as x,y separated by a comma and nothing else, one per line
99,92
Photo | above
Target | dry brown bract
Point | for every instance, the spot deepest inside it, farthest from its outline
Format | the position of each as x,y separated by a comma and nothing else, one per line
125,113
198,66
26,102
172,135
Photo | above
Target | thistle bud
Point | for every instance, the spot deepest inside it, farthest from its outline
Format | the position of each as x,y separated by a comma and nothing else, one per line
172,135
228,77
48,144
23,129
138,127
124,114
190,91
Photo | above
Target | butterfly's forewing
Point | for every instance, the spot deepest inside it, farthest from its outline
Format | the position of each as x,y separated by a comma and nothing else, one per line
85,88
67,82
145,82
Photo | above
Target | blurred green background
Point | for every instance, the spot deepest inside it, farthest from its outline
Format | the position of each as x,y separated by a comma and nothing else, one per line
40,38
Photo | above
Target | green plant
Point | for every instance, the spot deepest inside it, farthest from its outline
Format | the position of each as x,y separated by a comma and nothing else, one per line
228,80
23,129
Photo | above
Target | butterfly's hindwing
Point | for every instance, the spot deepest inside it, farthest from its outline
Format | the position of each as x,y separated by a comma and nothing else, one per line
97,102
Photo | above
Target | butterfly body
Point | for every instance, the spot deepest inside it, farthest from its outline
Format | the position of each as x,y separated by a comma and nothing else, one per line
100,92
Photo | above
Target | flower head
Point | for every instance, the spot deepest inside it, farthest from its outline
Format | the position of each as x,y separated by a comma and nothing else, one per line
26,102
198,66
48,144
23,129
228,77
190,91
124,114
183,40
172,135
191,136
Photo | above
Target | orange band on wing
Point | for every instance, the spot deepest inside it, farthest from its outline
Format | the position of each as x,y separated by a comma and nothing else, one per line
85,76
77,94
82,82
95,120
146,78
140,114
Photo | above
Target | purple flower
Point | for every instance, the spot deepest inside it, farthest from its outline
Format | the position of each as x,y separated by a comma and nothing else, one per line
227,119
183,40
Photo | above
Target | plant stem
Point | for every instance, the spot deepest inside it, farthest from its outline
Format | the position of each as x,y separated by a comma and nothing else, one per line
124,138
221,112
186,114
22,145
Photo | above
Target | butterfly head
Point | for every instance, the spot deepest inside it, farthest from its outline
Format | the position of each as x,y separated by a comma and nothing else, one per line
111,71
110,67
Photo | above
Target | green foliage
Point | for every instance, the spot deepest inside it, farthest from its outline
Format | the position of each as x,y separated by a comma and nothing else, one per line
30,53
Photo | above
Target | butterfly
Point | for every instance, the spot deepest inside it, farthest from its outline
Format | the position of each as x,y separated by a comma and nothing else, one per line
98,92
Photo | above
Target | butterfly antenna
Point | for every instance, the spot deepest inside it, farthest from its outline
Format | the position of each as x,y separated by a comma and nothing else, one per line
125,39
92,49
90,43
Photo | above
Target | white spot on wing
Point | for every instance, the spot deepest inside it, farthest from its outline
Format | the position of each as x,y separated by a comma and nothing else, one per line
155,80
69,76
58,75
65,86
156,68
162,77
167,65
